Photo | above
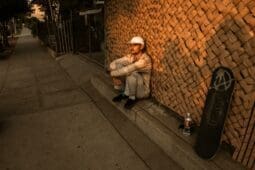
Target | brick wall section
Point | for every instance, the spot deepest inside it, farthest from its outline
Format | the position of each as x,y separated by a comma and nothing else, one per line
187,40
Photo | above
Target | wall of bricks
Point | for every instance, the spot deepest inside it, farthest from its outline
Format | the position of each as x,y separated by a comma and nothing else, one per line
187,40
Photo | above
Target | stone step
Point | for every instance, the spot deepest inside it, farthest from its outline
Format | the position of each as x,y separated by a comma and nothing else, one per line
161,126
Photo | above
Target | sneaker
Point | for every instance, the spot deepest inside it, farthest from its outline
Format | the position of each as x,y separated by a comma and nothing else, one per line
119,98
130,103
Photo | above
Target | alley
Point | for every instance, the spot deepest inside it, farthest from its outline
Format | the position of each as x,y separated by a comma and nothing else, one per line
48,122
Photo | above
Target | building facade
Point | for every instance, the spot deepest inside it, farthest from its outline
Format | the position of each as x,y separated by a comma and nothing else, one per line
187,40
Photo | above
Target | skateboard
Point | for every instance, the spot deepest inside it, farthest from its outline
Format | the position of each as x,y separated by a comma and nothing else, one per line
215,112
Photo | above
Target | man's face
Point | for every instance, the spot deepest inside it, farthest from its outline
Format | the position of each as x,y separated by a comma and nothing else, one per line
136,48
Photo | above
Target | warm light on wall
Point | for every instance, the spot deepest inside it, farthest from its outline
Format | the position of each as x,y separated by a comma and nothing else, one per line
38,13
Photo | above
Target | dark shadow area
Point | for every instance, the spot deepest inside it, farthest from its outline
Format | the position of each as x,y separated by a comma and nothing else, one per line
3,126
6,52
5,55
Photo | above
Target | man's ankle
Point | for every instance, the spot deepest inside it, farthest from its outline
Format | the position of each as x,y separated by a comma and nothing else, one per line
132,97
119,88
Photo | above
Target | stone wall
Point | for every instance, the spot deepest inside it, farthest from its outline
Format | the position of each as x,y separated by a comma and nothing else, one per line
187,40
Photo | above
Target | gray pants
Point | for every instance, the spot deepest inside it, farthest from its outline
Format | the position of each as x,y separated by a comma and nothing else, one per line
134,86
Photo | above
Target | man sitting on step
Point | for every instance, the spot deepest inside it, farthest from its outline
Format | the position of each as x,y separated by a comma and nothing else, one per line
131,73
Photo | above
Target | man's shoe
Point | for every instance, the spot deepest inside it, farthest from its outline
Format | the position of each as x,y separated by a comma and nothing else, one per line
119,98
130,103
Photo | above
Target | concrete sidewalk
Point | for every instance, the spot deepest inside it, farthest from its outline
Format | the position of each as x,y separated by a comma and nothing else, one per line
51,120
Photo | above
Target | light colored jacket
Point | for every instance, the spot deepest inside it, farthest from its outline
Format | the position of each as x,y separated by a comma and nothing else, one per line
142,66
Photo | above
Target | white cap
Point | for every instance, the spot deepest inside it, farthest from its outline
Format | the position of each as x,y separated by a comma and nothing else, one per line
137,40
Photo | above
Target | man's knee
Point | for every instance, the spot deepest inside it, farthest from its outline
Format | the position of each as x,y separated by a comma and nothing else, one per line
132,77
116,66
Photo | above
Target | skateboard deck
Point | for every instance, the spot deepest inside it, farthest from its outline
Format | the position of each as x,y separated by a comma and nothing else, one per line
215,112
